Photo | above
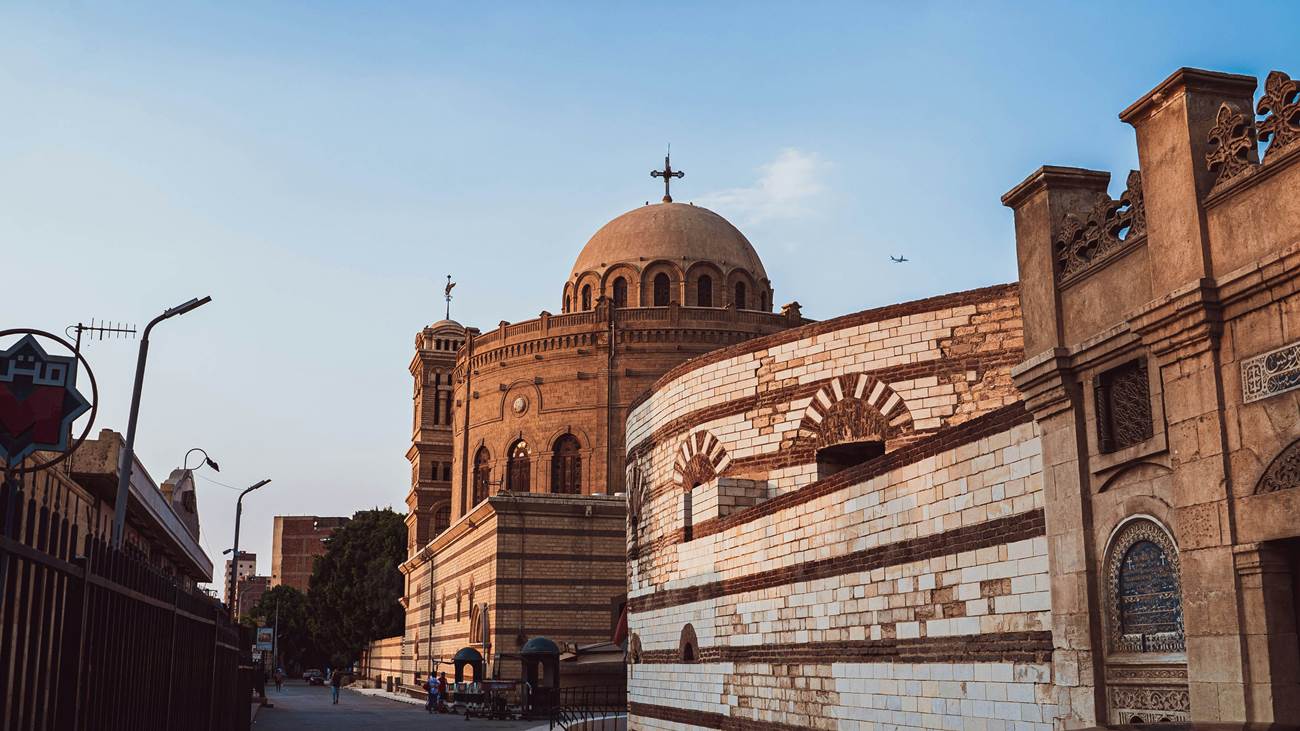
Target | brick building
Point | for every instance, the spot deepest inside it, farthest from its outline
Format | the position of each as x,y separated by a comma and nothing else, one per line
296,541
249,592
861,522
838,518
245,567
517,522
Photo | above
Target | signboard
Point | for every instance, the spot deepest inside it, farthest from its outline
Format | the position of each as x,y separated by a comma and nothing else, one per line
265,638
38,400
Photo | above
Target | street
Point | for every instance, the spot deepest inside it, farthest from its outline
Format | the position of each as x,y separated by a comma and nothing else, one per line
299,706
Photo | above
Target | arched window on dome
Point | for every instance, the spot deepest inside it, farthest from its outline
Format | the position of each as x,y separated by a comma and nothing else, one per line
586,297
566,466
566,303
704,291
518,467
739,299
661,290
620,292
482,475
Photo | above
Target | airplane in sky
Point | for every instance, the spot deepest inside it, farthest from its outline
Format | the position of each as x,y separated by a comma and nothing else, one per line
898,259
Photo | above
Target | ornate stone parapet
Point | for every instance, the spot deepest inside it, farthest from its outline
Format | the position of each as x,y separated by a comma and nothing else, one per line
1111,227
1235,138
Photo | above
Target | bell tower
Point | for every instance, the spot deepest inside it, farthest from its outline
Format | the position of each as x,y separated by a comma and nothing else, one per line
429,501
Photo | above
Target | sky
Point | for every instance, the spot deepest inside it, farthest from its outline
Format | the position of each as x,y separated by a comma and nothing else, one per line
318,169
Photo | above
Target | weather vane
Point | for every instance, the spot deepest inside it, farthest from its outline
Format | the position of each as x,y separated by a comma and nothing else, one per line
667,174
446,293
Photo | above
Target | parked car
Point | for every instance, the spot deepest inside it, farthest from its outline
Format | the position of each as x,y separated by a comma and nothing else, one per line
313,677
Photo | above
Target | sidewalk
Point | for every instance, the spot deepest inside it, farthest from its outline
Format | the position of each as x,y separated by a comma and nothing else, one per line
380,693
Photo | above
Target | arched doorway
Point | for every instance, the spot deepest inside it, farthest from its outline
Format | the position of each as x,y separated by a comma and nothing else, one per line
518,467
566,466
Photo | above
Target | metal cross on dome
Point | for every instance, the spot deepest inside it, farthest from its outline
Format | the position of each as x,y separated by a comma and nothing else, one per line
667,174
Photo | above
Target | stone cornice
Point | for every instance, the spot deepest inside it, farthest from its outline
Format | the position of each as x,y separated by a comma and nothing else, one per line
1187,79
1187,321
1050,176
1042,380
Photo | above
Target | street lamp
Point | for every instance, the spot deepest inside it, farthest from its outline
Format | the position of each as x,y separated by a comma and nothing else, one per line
234,558
185,463
127,464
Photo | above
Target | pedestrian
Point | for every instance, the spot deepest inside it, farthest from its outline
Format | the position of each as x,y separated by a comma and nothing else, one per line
336,680
431,688
442,693
279,679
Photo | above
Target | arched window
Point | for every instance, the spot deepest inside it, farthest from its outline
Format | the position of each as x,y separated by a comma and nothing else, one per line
586,297
688,645
566,303
566,466
482,474
441,519
661,290
740,296
620,292
704,291
517,467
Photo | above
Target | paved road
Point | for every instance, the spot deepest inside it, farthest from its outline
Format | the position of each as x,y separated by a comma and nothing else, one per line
299,706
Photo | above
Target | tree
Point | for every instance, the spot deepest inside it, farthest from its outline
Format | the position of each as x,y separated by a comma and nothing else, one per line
294,640
355,586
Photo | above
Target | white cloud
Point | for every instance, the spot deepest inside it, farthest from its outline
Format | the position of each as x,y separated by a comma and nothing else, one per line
785,189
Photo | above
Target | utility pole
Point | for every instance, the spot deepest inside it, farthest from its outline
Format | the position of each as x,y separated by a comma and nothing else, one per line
234,552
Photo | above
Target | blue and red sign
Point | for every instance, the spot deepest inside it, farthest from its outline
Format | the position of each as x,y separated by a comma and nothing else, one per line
38,400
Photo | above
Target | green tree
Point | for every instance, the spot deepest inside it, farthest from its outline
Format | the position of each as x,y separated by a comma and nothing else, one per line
355,586
294,640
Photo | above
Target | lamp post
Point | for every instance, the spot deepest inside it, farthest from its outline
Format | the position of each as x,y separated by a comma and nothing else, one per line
127,463
185,463
234,552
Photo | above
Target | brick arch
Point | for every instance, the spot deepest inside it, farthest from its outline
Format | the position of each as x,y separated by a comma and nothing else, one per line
700,458
851,407
688,645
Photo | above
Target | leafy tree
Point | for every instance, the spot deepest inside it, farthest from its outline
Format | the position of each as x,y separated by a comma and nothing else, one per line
355,587
294,643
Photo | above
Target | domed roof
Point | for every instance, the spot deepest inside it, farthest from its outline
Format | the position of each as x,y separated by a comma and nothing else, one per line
447,325
539,646
669,231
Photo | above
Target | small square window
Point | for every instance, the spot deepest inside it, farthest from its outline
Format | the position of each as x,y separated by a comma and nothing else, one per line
1123,399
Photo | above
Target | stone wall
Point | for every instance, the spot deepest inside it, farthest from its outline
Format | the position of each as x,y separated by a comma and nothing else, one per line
909,589
383,660
296,541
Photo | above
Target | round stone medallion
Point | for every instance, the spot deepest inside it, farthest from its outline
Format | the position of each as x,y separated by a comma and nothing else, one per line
520,405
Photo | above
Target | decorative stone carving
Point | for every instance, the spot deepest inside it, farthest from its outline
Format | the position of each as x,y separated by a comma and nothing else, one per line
1280,109
700,458
1149,705
1283,472
853,407
1123,402
637,488
1233,147
1105,231
634,649
1144,592
1271,373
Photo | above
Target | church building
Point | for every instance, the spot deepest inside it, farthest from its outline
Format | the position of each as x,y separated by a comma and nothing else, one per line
517,519
1034,506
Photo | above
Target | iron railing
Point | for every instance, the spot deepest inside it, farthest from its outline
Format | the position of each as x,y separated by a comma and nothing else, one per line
590,708
95,638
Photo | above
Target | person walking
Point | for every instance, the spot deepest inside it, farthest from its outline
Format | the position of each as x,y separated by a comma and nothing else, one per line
336,681
431,688
442,693
279,680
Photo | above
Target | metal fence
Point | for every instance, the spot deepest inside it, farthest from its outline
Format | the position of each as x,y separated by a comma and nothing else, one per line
591,708
97,638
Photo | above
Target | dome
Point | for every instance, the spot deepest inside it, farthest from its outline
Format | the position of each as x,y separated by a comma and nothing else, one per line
447,325
671,231
469,655
539,646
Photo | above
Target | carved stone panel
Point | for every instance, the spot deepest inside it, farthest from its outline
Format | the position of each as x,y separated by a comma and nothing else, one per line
1283,472
1272,373
1105,231
1123,401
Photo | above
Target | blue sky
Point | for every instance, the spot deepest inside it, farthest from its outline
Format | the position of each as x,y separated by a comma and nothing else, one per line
318,168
